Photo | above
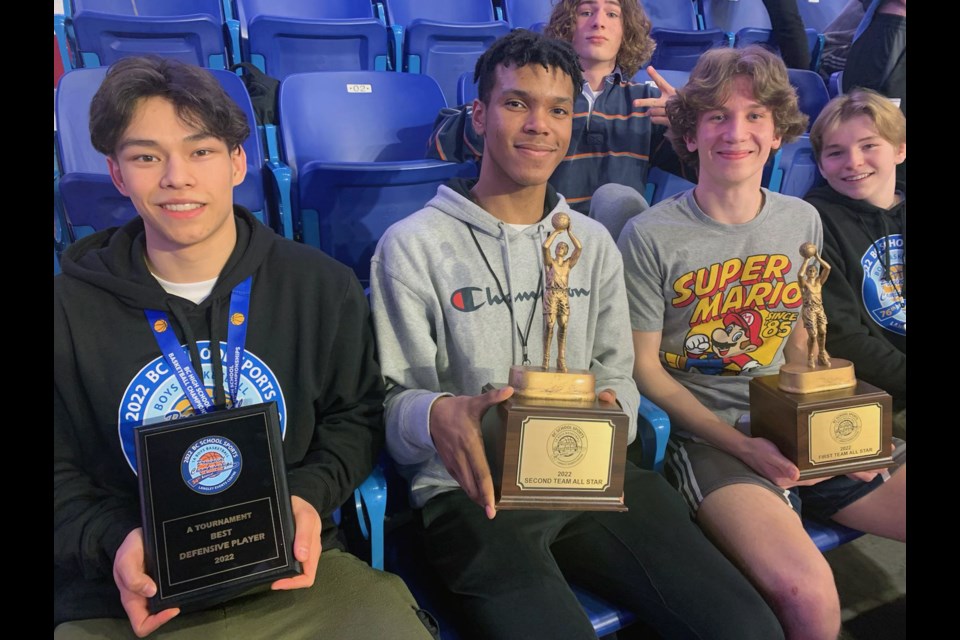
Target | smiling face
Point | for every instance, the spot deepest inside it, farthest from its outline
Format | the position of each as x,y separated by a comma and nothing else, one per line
526,125
859,163
180,180
735,140
598,33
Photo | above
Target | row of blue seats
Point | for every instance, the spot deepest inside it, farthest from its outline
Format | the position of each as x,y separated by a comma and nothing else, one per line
438,38
335,174
283,37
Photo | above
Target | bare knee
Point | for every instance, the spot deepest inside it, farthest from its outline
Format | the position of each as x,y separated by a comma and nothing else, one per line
805,600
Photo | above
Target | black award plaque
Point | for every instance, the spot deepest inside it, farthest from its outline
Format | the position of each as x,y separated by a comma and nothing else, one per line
215,507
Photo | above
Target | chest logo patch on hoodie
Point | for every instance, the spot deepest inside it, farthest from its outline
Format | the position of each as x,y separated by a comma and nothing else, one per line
472,298
155,394
883,285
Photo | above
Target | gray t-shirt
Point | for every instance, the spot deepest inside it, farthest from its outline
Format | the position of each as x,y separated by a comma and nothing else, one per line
724,296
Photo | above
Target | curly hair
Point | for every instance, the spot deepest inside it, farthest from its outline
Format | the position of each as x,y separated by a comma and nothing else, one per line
709,87
637,45
196,95
888,120
520,48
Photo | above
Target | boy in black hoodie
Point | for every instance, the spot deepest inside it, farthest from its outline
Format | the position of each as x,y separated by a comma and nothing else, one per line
173,138
859,139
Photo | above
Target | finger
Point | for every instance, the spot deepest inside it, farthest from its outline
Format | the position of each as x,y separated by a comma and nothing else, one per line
152,623
608,396
141,621
664,86
789,470
863,476
306,545
465,476
304,541
649,102
484,483
135,581
484,401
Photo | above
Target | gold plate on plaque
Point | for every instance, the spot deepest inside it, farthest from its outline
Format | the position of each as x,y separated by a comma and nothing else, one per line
557,454
845,434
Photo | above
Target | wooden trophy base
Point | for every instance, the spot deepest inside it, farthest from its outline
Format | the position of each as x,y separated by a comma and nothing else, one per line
566,452
825,433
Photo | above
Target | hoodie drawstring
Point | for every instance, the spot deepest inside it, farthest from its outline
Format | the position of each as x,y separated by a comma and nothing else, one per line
219,399
507,297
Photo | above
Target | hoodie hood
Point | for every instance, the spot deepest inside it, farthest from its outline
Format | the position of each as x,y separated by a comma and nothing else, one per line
114,260
830,198
471,213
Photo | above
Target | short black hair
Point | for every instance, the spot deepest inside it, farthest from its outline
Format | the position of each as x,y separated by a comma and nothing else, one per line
520,48
196,95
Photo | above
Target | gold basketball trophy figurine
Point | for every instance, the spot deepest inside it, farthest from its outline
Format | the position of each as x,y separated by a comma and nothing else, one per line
818,414
558,446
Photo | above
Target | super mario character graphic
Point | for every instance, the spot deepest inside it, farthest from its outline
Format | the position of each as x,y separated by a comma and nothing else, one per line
740,315
727,348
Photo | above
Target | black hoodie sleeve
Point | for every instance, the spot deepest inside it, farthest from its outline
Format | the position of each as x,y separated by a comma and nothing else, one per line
349,431
876,360
90,517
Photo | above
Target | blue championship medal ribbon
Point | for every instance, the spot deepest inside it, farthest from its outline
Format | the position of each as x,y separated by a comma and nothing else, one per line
179,361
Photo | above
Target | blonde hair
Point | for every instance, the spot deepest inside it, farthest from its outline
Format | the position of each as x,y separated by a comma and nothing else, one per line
709,87
636,47
889,121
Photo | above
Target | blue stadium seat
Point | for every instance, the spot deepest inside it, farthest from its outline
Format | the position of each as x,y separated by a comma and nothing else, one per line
523,14
88,200
811,92
755,35
794,170
663,184
829,535
442,39
103,31
681,15
466,88
679,36
357,156
835,87
291,36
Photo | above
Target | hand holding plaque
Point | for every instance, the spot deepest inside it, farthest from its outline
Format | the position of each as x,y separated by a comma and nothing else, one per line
558,446
818,414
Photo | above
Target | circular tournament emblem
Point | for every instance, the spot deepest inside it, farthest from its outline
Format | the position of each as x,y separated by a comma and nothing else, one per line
567,445
210,465
160,326
845,427
237,319
155,394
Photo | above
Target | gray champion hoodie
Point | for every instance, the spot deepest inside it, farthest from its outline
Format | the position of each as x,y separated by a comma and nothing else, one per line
444,327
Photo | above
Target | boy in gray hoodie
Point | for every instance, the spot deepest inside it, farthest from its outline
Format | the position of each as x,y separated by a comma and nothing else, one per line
455,290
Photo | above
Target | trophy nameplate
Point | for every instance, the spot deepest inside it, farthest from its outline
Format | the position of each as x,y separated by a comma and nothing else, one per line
215,506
